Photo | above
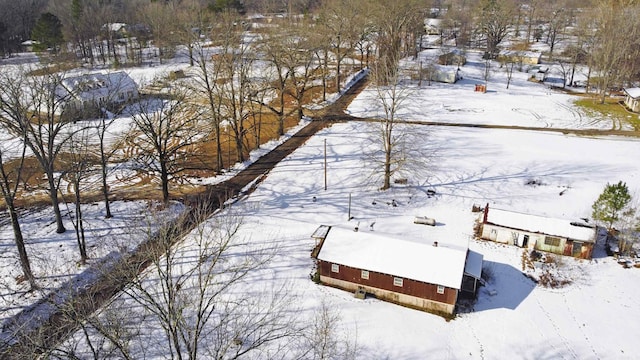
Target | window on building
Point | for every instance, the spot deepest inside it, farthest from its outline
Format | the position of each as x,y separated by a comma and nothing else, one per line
398,281
551,241
440,289
364,274
335,268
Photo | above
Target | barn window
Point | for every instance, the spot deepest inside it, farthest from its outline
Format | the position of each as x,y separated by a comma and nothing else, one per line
364,274
440,289
398,281
335,268
551,241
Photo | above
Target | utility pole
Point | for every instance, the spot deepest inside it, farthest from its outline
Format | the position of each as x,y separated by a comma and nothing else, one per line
325,164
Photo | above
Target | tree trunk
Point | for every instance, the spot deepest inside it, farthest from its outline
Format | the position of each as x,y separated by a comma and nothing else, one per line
53,195
22,251
164,179
79,227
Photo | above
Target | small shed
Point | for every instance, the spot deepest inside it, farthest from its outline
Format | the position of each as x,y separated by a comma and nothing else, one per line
558,236
632,98
538,72
410,273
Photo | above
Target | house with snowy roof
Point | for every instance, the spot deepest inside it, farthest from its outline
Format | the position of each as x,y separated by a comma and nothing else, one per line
632,98
558,236
96,90
428,277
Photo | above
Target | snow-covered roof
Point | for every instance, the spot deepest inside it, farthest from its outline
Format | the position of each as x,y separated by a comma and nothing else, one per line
368,250
522,54
473,265
95,86
633,92
115,27
540,224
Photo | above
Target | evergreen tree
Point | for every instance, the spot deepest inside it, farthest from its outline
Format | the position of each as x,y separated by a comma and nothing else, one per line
611,204
48,32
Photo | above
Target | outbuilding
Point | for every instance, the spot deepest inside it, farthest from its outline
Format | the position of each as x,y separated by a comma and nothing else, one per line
558,236
632,99
429,277
96,90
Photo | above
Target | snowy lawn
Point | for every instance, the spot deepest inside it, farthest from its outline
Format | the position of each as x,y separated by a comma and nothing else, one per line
513,318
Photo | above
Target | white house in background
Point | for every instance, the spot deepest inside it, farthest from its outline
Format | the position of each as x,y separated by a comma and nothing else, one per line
432,26
28,45
97,90
632,98
522,57
558,236
410,273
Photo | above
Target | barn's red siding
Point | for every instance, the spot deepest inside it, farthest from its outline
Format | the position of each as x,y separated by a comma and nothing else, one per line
385,282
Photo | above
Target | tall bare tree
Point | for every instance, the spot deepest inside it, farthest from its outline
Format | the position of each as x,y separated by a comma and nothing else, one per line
10,177
30,108
168,129
196,302
395,23
494,22
617,31
391,95
78,168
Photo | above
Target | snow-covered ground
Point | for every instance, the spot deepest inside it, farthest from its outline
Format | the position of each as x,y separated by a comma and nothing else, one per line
594,317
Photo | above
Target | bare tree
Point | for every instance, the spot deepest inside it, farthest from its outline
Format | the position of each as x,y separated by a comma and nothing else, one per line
78,168
339,19
234,63
326,341
558,18
191,293
508,61
168,129
276,43
300,59
616,34
495,20
395,23
391,95
30,108
10,177
459,22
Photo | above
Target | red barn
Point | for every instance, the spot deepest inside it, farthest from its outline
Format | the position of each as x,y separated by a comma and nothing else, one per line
428,277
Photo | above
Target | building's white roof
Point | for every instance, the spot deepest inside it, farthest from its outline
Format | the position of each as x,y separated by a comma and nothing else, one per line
523,54
368,250
540,224
633,92
473,266
95,86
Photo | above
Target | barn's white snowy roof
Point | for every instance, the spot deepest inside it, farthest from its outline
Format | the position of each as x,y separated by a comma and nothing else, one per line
633,92
368,250
95,86
540,224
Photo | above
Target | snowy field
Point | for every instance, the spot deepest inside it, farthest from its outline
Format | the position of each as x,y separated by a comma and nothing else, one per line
592,318
588,319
